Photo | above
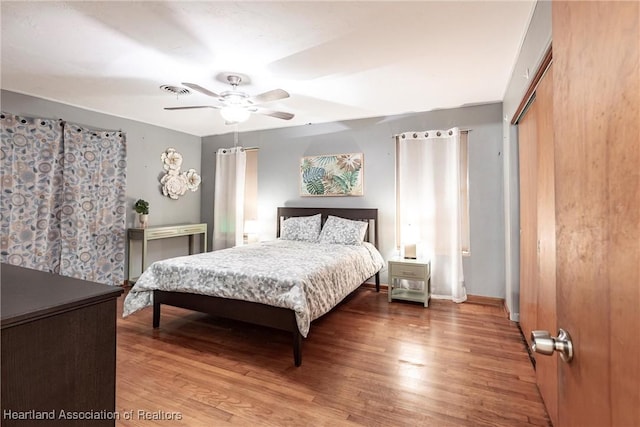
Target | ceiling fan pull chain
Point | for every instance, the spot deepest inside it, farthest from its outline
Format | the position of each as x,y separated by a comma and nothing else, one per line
235,136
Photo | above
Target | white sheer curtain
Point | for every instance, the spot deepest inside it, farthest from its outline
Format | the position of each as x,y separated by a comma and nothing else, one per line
228,208
429,205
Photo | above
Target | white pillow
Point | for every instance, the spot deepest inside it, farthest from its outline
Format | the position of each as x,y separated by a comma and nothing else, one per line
343,231
305,228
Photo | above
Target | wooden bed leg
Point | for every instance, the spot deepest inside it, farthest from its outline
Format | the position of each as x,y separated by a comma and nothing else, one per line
156,314
378,282
297,348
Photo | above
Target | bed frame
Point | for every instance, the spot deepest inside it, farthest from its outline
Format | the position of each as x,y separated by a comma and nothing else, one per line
261,314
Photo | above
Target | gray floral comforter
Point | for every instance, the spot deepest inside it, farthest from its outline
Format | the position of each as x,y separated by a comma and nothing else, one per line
309,278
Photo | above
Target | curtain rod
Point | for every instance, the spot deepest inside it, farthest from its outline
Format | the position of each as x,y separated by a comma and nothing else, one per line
461,130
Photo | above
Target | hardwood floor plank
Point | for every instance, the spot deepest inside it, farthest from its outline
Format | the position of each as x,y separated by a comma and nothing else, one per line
368,362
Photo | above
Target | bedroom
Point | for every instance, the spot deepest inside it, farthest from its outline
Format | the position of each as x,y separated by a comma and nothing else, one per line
280,147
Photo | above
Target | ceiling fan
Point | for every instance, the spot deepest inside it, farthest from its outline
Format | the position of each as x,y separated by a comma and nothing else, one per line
235,105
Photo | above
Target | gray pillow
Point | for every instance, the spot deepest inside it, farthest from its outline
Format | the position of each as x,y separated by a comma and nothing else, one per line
343,231
304,228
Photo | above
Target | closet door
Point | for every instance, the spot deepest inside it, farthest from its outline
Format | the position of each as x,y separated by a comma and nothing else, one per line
546,367
527,148
537,237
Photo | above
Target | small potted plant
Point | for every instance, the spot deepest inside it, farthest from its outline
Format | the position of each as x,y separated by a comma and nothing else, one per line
142,208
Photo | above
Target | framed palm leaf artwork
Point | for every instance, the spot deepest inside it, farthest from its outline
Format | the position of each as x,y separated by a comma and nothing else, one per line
332,175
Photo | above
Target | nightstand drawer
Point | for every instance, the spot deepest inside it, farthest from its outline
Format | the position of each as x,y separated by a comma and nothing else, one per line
408,271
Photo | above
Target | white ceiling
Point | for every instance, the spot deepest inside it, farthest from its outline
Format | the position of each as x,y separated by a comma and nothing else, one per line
338,60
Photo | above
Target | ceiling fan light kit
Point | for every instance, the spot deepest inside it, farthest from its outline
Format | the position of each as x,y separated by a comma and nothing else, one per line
235,114
236,106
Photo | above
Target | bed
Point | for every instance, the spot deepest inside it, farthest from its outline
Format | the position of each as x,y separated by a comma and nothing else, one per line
283,284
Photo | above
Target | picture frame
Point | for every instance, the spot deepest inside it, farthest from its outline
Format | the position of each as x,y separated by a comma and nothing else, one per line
331,175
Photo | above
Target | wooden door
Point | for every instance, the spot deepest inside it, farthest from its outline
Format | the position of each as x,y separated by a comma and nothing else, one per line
537,238
597,153
546,319
527,152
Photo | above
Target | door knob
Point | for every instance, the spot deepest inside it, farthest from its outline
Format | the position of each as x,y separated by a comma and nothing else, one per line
544,343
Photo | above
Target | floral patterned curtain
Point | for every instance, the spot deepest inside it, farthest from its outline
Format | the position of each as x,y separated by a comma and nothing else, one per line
93,227
63,198
31,198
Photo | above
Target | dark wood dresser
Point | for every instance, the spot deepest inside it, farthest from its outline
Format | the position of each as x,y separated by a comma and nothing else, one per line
58,350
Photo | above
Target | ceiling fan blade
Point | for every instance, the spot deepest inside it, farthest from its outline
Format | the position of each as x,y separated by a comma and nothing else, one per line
272,95
277,114
191,107
201,89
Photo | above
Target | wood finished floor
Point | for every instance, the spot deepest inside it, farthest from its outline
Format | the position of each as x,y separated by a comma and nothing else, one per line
368,362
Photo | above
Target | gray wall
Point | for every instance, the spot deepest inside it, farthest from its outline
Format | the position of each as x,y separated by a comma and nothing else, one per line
279,156
278,164
534,46
145,144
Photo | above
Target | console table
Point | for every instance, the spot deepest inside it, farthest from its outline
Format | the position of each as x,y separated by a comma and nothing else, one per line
163,232
58,348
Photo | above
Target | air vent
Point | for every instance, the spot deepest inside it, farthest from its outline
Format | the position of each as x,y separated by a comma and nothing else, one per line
176,90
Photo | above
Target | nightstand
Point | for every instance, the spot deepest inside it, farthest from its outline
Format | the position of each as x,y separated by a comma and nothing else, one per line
410,269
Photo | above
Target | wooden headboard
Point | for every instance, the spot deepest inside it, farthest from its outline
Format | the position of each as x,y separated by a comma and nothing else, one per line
358,214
